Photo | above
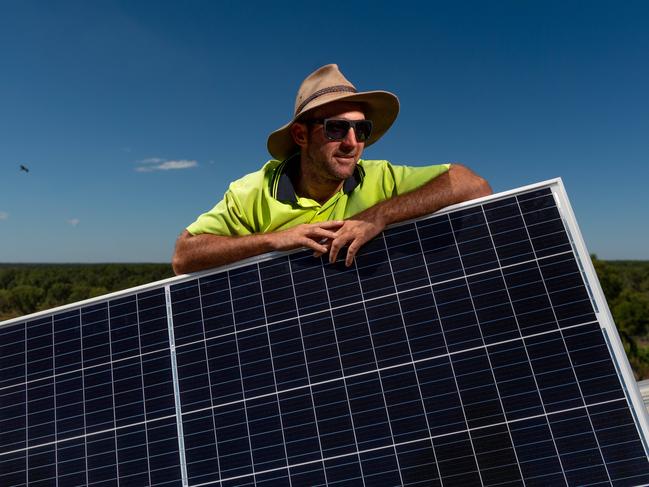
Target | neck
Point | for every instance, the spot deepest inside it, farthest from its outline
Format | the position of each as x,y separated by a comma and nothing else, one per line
309,183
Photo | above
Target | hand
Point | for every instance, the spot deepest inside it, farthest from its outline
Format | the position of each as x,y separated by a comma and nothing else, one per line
354,233
314,236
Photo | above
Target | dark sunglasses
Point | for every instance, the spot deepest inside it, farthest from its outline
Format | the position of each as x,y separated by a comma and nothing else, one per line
337,128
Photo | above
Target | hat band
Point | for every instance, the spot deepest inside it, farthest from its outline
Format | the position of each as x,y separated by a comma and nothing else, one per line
324,91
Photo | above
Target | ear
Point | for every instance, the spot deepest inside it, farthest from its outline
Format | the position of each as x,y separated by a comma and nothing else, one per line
299,132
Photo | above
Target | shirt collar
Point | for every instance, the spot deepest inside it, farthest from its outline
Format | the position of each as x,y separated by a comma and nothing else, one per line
283,189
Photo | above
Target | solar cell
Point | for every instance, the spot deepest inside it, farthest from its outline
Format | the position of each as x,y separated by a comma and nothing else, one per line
471,347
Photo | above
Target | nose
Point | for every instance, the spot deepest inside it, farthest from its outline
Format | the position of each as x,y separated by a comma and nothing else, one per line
350,138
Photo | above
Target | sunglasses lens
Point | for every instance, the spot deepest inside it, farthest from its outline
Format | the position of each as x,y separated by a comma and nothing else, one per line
363,130
337,129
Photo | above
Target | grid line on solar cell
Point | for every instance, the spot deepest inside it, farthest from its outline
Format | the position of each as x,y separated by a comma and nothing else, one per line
112,392
249,449
85,445
376,362
344,381
317,429
273,368
410,354
146,434
209,380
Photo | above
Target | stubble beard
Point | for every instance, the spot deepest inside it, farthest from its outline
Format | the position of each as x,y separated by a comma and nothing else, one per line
336,167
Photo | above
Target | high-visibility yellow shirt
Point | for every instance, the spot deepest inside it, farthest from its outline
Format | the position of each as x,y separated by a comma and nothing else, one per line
265,200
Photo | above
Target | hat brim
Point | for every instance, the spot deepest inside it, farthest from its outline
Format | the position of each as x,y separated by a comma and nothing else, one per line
382,109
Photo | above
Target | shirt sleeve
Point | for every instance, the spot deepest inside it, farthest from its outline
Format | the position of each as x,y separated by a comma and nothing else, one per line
408,178
227,218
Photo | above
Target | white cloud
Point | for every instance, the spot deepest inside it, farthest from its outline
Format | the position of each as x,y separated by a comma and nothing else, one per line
156,164
4,215
73,222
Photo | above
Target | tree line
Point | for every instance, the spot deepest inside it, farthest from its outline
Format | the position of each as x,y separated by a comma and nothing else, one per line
626,287
27,288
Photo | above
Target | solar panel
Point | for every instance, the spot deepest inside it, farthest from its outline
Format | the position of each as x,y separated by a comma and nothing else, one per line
471,347
87,396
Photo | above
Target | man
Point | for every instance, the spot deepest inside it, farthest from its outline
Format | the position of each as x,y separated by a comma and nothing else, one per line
317,192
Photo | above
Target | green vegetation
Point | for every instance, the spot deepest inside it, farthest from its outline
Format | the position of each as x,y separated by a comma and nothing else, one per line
626,287
28,288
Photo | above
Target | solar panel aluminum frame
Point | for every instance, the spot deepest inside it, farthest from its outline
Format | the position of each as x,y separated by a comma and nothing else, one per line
556,186
602,311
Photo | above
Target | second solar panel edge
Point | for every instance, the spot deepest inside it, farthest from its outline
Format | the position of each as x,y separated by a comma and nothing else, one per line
176,385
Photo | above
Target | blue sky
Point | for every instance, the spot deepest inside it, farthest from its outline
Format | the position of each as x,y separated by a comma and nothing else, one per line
133,116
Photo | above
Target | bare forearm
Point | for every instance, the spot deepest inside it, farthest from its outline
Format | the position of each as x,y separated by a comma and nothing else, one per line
457,185
198,252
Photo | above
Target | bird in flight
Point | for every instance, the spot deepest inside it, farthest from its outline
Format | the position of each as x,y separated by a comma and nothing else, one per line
24,168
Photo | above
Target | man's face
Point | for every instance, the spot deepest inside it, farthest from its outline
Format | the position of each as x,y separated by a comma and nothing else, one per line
333,160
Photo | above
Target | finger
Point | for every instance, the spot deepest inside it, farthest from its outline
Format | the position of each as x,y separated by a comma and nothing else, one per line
333,253
315,246
335,246
351,252
320,254
331,223
323,234
328,225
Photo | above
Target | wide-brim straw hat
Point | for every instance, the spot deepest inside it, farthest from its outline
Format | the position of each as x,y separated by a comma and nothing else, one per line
325,85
